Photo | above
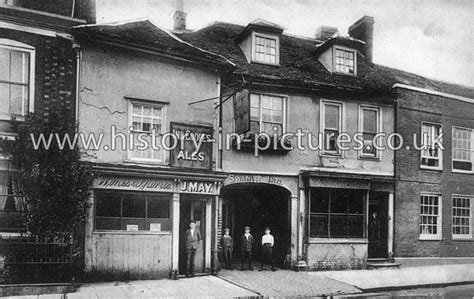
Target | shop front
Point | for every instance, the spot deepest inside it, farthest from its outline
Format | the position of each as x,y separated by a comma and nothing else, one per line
349,219
260,201
138,218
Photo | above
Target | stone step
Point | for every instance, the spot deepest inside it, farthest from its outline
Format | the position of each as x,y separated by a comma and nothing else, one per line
382,265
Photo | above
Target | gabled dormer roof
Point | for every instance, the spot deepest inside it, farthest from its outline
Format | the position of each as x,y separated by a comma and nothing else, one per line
144,34
346,41
262,26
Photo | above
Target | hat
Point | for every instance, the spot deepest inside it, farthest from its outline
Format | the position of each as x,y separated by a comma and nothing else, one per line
192,221
267,228
226,229
247,228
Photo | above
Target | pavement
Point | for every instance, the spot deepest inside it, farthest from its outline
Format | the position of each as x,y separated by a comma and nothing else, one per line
283,283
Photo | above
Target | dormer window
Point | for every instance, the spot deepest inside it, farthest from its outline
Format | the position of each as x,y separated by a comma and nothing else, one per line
344,61
266,49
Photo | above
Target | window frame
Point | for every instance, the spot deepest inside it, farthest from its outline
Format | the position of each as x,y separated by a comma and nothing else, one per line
379,125
439,225
345,49
22,47
441,152
455,170
121,194
254,48
322,125
471,226
284,110
163,107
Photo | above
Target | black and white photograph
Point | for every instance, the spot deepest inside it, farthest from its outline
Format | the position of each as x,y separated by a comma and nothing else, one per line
236,149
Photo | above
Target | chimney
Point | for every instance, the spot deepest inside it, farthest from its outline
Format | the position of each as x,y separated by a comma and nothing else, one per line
179,16
363,30
323,33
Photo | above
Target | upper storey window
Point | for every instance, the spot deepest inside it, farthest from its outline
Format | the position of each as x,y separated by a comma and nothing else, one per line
16,78
345,61
266,49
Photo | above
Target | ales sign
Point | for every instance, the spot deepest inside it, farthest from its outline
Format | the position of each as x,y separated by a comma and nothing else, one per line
194,149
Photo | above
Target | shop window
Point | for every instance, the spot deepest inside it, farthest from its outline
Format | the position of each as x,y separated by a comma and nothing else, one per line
336,213
16,78
147,123
331,126
431,153
132,211
463,149
462,217
369,127
430,217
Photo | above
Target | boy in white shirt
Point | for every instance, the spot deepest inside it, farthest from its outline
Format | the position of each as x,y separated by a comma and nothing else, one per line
267,243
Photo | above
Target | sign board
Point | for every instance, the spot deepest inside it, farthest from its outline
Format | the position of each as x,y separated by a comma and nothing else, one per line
194,148
155,227
289,183
197,187
134,184
132,227
339,183
242,111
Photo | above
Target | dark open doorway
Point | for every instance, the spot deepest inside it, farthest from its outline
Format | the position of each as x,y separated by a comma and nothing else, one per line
378,225
258,206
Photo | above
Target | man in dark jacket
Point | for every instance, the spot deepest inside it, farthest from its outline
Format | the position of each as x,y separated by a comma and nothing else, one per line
193,237
246,243
227,247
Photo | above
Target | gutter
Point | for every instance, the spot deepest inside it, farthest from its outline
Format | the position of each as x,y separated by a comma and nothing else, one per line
433,92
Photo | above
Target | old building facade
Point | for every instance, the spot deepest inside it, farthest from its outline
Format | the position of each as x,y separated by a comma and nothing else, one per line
38,71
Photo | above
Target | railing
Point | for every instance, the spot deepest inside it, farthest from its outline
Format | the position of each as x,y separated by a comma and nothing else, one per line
28,260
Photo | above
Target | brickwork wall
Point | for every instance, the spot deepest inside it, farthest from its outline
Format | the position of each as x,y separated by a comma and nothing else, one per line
414,108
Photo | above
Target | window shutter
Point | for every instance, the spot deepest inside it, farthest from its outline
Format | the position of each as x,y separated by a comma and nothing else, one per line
242,111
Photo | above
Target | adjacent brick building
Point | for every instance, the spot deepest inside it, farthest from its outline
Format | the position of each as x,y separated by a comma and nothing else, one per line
38,72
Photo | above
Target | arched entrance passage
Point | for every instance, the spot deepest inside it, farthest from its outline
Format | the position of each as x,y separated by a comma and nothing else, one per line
258,205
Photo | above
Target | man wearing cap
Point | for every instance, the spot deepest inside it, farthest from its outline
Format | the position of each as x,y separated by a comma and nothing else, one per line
267,244
193,237
227,247
246,243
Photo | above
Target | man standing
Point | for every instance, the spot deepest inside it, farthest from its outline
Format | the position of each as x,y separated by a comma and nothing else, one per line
267,244
227,248
246,248
193,237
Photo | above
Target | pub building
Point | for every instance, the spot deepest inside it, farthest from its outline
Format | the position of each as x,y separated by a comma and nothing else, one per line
328,208
140,81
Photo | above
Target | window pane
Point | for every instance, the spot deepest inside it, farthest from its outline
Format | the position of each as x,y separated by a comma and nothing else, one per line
320,200
369,121
105,223
338,226
18,98
4,98
17,67
318,226
108,205
158,206
4,64
134,206
255,100
331,117
339,202
355,226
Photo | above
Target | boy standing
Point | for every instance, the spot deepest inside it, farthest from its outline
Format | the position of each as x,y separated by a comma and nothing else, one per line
267,243
227,247
246,242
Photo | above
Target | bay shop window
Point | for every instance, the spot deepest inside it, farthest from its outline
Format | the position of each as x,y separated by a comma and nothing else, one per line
131,211
337,213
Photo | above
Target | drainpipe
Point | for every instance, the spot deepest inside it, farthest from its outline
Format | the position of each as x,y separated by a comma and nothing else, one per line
219,127
77,47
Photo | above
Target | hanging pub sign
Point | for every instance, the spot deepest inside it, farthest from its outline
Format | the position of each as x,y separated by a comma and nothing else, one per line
194,148
242,111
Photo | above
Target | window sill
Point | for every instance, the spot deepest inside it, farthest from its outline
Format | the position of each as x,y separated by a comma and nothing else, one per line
458,171
370,158
265,63
331,155
337,241
430,238
437,169
463,238
124,232
147,161
8,117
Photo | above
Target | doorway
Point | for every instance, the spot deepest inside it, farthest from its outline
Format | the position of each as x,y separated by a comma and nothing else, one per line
378,225
192,208
258,206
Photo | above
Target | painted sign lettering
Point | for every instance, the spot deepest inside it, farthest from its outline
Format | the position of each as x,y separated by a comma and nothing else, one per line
135,184
197,187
